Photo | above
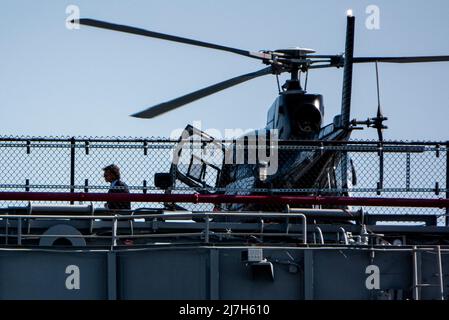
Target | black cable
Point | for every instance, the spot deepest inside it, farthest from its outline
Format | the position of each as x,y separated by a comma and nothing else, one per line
279,86
307,78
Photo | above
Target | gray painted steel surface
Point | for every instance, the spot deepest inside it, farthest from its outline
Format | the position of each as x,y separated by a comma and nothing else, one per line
201,272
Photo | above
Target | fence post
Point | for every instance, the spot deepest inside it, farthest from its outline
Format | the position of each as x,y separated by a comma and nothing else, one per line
447,182
72,166
380,183
344,169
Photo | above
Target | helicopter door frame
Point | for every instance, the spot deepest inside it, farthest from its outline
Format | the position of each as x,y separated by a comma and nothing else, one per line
203,170
190,178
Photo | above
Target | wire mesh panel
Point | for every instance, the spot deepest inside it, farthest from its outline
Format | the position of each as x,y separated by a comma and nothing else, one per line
405,175
34,166
138,163
360,169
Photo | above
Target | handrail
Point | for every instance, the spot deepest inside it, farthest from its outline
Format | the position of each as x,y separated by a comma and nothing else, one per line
320,233
440,272
217,199
345,236
159,215
116,217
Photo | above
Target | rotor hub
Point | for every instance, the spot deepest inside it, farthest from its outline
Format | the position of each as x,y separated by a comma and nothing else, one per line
296,52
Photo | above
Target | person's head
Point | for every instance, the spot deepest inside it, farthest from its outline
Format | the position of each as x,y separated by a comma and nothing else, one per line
111,173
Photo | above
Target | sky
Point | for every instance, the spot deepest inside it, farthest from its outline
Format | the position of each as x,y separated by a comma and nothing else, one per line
60,82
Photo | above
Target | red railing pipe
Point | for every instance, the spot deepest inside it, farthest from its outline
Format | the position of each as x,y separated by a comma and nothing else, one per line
208,198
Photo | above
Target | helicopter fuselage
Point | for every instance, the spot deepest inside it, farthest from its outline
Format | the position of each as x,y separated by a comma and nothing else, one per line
296,115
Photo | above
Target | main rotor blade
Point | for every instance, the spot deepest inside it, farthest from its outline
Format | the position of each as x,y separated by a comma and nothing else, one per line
178,102
152,34
402,59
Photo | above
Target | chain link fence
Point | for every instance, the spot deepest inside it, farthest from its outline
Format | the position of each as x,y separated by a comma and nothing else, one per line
356,168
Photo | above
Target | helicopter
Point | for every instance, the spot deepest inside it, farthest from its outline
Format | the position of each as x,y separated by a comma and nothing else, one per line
296,116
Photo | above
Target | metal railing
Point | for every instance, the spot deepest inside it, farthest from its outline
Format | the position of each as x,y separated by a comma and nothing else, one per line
206,233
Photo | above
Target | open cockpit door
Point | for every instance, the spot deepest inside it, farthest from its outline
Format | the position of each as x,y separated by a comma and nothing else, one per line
197,160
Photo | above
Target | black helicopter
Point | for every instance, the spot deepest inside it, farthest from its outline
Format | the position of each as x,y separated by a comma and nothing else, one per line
295,115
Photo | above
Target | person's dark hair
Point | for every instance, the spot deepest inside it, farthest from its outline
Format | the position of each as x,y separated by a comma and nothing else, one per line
114,169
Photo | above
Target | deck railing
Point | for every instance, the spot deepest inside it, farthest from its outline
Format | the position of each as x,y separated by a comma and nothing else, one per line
415,170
